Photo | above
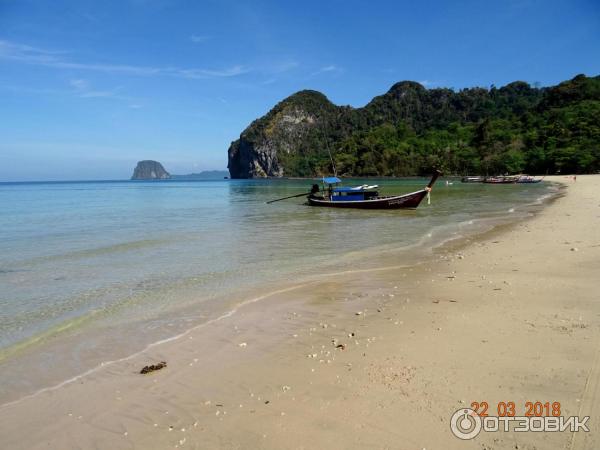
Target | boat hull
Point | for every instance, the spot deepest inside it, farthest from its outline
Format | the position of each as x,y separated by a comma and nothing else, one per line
406,201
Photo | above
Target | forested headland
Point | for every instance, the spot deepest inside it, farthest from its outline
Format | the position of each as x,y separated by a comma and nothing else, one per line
409,130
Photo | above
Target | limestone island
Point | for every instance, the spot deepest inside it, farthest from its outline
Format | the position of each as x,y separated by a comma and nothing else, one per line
150,170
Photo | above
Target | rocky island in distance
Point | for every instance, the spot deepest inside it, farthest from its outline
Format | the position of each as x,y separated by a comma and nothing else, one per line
150,170
153,170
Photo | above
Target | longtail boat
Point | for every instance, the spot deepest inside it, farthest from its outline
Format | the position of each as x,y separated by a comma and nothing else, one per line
528,179
365,197
505,179
501,180
472,179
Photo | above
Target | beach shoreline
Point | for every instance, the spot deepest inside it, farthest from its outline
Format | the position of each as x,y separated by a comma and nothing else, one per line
54,321
379,358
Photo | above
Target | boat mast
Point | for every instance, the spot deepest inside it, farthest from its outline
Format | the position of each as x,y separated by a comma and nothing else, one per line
332,163
323,134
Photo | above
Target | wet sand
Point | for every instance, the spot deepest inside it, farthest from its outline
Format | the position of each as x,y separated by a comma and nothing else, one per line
367,359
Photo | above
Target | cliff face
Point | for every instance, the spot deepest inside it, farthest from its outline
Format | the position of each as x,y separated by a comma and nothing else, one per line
150,170
284,132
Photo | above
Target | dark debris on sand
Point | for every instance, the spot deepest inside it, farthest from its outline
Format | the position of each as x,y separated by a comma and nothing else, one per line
153,367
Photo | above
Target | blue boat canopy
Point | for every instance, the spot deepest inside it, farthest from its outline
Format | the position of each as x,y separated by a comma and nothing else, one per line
331,180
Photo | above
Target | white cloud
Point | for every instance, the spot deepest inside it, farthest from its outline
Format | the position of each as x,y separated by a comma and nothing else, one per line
206,73
84,90
331,68
273,70
78,87
79,84
32,90
31,55
7,47
429,83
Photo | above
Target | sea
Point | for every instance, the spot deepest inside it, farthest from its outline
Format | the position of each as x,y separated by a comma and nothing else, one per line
93,271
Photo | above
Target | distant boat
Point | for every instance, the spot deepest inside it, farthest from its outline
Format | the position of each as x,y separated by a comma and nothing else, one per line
472,179
528,179
365,197
501,180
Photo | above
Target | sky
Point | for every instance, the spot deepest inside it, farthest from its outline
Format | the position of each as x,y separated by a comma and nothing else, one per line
88,88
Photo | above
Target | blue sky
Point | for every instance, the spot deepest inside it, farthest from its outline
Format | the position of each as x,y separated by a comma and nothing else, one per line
88,88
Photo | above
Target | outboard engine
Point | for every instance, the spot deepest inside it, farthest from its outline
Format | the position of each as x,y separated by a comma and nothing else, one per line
314,189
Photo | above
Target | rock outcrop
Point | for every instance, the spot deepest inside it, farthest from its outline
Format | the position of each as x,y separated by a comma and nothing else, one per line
150,170
281,134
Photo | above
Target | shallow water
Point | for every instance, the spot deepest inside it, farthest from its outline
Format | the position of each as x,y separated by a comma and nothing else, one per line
92,271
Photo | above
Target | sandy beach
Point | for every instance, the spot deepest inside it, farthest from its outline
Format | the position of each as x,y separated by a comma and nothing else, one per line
378,358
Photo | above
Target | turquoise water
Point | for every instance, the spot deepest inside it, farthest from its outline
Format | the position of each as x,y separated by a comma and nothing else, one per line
106,263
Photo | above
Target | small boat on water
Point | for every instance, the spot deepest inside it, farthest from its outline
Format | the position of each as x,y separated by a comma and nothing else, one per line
365,197
361,197
520,179
528,179
472,179
501,180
